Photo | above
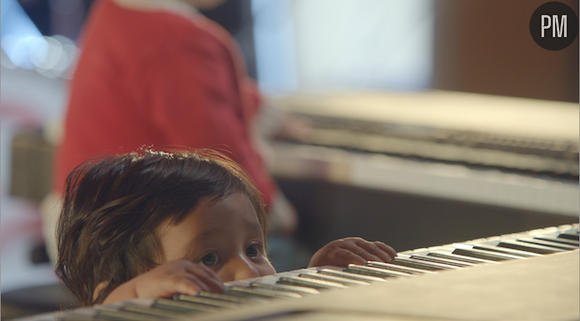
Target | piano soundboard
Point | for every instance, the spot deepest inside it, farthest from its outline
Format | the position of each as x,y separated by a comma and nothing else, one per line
532,275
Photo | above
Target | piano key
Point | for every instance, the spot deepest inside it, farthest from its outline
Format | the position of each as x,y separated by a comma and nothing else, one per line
557,240
556,245
230,298
316,284
510,251
206,301
182,306
164,314
73,316
261,292
352,276
337,279
486,255
396,268
372,271
110,314
528,247
95,312
421,265
286,288
566,228
439,260
454,257
569,236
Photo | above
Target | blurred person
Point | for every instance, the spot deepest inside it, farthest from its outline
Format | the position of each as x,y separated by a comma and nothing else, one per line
158,73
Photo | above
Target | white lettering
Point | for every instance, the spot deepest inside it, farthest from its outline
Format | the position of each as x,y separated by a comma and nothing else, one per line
544,26
561,28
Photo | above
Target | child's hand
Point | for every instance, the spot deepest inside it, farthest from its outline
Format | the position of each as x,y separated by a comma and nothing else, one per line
166,280
352,250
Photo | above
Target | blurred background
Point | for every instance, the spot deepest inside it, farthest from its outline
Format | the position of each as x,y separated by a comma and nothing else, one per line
433,121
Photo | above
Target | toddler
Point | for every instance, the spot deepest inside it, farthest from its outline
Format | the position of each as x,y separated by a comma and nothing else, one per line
154,224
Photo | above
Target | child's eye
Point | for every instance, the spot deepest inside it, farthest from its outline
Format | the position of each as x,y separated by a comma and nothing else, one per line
252,251
209,259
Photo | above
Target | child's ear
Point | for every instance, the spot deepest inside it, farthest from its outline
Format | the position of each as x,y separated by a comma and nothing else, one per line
99,289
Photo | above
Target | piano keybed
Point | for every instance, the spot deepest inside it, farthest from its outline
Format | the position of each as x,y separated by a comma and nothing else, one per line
479,131
483,150
313,281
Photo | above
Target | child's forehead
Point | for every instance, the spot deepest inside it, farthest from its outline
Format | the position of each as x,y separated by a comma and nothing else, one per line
234,204
210,214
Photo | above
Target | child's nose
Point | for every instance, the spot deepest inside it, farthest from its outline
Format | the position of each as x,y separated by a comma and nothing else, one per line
245,269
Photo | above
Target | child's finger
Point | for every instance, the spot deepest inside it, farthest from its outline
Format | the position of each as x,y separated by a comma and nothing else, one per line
214,285
344,257
384,252
361,249
375,253
189,285
389,250
379,249
211,282
200,270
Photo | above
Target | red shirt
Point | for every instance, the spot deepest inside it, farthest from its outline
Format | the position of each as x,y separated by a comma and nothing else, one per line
159,79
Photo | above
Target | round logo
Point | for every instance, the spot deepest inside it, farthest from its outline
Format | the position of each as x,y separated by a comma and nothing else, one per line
554,26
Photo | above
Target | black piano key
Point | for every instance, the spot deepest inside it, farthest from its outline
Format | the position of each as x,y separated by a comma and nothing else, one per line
486,255
106,314
352,276
207,301
440,261
317,284
396,268
260,292
527,247
330,278
163,314
181,306
558,240
454,257
420,265
561,246
503,250
230,298
286,288
569,236
372,271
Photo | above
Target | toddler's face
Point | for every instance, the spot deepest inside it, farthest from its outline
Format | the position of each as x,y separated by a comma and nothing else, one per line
224,235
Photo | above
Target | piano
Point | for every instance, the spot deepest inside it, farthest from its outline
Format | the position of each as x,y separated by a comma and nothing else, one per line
532,275
380,164
462,146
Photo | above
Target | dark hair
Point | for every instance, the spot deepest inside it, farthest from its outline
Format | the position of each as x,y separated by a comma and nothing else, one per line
106,231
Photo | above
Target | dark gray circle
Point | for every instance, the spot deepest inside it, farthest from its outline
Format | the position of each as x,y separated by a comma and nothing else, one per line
554,26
